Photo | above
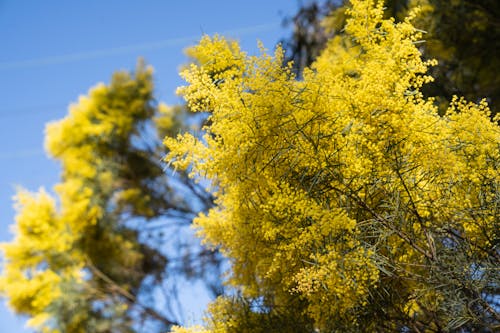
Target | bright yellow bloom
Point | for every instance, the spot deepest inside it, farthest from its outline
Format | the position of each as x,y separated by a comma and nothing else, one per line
325,186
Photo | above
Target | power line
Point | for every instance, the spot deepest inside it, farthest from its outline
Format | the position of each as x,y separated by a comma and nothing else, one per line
21,154
109,52
95,54
19,111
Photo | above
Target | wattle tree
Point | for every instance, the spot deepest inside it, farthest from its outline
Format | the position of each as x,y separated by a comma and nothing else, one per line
344,201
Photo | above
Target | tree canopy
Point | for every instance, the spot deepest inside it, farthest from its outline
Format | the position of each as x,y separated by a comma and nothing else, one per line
91,258
344,201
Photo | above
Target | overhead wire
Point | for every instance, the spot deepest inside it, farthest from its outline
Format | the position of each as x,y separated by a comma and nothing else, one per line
96,54
114,51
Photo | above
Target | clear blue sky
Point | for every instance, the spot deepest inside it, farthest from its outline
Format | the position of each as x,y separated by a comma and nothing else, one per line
52,51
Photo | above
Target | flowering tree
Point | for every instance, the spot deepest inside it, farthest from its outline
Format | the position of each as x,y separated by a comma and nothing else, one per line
87,259
344,202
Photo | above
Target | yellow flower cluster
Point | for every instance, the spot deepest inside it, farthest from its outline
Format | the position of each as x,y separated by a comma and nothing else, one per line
54,242
29,283
321,182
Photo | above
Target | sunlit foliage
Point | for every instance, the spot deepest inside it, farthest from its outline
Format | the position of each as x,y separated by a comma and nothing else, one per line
463,35
344,201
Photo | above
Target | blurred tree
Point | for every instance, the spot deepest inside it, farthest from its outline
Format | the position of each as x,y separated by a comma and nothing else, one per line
344,201
463,35
105,254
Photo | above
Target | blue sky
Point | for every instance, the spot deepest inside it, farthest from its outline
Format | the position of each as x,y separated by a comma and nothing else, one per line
53,51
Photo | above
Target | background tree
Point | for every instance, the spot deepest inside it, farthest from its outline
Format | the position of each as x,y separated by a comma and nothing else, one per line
104,254
344,201
462,35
